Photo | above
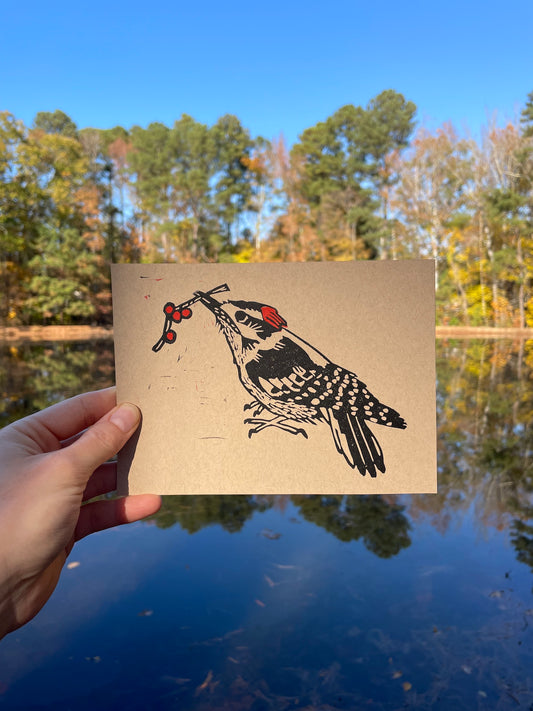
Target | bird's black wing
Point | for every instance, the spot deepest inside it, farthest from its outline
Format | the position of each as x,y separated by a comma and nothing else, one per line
287,372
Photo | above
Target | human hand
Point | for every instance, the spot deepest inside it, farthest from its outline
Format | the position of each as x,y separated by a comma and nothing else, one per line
49,466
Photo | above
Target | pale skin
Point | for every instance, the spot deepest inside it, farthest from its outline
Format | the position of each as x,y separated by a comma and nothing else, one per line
50,464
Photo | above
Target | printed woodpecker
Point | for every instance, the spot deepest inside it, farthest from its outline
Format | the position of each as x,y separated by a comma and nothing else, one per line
295,383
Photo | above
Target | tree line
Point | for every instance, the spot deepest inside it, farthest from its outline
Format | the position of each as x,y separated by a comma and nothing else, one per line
363,184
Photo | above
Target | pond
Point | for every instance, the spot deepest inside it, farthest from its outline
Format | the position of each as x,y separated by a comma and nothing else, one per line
300,602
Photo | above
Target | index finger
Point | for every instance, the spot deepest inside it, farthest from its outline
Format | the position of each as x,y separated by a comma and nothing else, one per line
70,417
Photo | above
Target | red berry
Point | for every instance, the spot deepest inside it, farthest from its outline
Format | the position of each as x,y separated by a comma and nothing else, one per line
176,316
168,308
186,313
170,336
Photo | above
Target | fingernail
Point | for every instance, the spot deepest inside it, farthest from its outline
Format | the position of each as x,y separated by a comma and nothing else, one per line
125,417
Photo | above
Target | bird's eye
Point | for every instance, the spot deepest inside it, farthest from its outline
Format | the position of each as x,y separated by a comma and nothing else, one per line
240,316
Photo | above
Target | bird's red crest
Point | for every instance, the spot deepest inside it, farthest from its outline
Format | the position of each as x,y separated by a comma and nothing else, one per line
271,316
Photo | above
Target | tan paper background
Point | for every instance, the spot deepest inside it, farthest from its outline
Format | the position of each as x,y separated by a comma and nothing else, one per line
373,318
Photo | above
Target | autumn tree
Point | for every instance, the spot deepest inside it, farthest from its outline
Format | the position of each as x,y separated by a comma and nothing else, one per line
506,218
344,170
55,122
23,204
194,164
232,186
151,180
63,271
430,194
293,236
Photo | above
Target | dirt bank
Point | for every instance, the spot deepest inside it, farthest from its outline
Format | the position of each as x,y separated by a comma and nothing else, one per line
91,333
482,332
54,333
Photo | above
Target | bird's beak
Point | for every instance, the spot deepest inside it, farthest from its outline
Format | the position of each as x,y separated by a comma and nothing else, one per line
212,304
223,320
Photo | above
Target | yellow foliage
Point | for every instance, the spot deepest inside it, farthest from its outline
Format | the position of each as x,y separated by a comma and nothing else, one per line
245,254
503,311
529,313
479,300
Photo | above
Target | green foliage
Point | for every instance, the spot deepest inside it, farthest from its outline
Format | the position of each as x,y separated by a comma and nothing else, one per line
55,122
343,171
63,274
526,119
232,189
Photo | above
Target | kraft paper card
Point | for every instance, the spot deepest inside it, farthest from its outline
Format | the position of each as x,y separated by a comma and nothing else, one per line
312,378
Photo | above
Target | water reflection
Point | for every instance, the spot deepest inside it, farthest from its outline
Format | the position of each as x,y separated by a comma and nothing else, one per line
378,522
484,414
302,602
33,376
195,512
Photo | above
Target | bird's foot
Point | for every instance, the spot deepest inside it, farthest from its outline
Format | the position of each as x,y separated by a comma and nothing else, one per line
254,404
278,422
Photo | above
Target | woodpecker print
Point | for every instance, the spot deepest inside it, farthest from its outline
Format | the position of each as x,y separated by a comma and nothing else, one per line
290,382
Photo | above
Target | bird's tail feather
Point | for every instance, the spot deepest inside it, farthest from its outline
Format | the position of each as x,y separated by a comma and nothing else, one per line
356,442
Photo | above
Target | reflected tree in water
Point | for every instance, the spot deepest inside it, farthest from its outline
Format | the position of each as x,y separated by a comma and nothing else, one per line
485,418
379,523
522,536
196,512
34,376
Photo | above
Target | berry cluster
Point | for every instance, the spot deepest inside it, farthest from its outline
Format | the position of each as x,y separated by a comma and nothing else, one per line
174,314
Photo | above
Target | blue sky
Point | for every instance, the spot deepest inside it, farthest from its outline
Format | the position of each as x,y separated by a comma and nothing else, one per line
279,66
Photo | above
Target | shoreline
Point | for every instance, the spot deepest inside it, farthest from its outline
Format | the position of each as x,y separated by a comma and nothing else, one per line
34,334
482,332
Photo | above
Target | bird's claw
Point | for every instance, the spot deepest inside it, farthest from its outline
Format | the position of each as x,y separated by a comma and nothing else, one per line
253,421
263,424
257,405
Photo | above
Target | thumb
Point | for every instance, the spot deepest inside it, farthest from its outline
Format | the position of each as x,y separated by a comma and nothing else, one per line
104,439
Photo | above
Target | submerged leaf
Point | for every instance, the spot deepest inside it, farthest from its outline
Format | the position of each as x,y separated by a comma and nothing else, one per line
271,535
284,567
205,683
